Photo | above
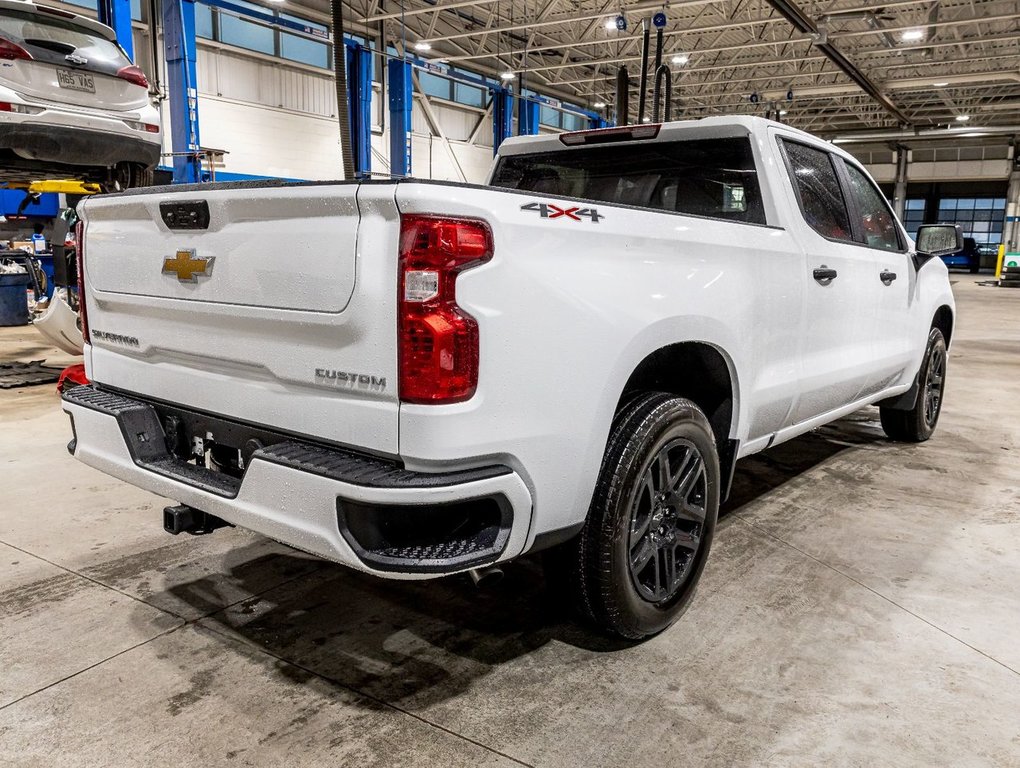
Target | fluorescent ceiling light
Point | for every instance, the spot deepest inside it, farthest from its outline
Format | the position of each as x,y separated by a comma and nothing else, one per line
648,120
611,24
599,104
508,75
940,85
912,35
681,59
422,46
782,112
962,118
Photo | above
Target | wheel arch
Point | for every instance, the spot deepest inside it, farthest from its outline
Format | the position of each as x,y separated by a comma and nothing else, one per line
703,373
943,320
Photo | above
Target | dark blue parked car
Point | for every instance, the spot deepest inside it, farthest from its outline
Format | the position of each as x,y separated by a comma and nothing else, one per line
969,257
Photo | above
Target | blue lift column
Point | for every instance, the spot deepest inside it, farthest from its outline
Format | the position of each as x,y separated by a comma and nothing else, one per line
527,117
182,88
502,116
400,88
359,101
117,14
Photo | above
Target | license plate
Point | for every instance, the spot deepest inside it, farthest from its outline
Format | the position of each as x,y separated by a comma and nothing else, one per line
76,81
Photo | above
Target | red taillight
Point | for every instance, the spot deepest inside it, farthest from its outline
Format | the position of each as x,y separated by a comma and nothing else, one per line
79,249
151,128
11,51
438,350
133,75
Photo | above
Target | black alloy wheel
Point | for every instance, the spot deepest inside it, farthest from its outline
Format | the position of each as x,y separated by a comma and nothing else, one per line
934,385
667,520
634,567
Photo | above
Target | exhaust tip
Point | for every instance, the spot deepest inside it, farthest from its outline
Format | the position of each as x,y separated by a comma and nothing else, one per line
486,577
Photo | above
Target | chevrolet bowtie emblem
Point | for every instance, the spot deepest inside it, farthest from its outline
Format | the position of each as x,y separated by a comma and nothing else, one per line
186,266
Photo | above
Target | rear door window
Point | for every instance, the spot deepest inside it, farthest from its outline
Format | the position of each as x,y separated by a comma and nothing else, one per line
818,190
878,225
716,178
52,38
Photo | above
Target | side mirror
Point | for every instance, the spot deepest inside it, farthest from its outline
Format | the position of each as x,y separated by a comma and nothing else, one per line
934,240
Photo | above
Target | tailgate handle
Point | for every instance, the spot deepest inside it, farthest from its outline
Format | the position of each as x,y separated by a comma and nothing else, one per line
186,214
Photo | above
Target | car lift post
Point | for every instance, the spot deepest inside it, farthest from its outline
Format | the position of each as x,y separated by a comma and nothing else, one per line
117,14
182,88
527,117
401,95
502,115
359,103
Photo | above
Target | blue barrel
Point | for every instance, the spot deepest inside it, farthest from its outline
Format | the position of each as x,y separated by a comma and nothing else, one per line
14,299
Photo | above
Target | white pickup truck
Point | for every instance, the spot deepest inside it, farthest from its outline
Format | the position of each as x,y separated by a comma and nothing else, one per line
416,378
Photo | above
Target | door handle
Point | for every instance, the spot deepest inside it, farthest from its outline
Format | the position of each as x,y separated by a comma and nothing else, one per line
887,277
824,274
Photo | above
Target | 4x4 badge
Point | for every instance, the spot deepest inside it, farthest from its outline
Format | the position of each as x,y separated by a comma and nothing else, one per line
573,213
186,266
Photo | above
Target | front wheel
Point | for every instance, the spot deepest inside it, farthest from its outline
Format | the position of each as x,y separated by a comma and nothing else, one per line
917,424
638,559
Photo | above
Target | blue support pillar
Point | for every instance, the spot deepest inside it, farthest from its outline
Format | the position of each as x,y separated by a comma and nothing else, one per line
598,122
359,101
182,88
502,116
527,117
400,90
117,14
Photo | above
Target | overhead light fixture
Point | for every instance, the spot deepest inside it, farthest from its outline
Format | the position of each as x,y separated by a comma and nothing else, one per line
912,35
647,120
508,75
681,59
422,46
599,105
611,24
782,112
962,118
939,85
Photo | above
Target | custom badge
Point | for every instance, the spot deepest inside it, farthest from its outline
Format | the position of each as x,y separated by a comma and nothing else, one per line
187,266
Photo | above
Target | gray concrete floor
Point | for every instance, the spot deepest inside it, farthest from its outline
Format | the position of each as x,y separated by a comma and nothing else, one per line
861,608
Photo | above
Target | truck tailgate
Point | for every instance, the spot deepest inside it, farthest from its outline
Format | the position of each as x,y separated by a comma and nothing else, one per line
281,312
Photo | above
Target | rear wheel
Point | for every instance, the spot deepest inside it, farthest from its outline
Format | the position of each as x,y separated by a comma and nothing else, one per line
636,563
917,424
128,176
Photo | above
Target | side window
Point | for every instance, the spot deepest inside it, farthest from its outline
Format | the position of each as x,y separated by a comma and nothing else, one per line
877,222
821,199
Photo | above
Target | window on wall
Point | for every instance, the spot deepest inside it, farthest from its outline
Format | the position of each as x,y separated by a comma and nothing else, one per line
136,6
247,34
303,49
213,24
913,215
566,121
979,217
452,90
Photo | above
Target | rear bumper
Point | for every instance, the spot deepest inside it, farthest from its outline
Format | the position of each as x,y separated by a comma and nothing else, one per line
360,511
100,146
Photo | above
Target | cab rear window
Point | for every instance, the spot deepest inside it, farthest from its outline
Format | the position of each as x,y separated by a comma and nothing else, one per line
704,177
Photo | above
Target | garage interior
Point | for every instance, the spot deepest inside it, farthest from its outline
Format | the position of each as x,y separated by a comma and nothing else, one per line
861,604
